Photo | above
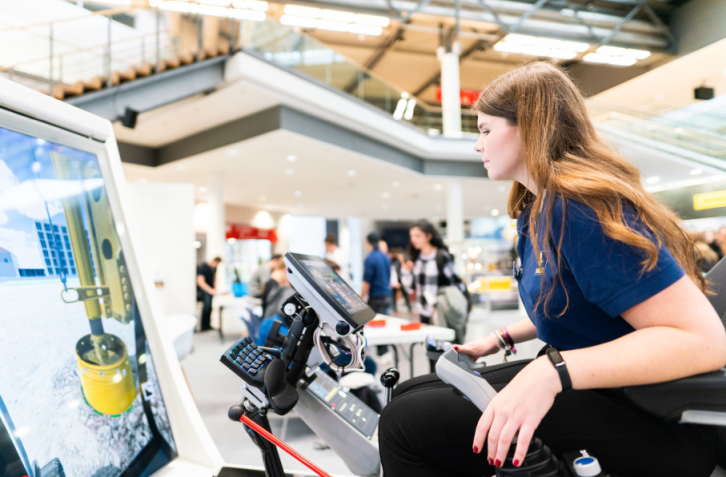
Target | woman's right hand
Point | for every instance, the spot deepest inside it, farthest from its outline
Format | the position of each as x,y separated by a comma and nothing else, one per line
477,349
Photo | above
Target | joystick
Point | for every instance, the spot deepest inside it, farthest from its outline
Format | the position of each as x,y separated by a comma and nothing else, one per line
389,379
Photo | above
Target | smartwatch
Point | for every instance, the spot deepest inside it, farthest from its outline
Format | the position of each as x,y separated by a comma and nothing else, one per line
559,364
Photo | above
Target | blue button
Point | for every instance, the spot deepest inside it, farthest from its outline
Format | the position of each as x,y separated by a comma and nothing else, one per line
584,460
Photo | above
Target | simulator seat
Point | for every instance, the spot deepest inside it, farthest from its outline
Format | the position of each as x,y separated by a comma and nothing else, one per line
697,399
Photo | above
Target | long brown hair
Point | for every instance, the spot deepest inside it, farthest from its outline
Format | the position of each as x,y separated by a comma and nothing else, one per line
564,156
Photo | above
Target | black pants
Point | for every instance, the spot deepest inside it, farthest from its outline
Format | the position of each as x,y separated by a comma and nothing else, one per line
380,304
394,296
428,431
205,324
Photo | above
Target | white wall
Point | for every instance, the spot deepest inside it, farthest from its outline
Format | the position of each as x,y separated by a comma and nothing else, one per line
164,214
308,235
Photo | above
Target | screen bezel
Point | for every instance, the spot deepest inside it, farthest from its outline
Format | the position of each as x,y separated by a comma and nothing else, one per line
29,126
357,320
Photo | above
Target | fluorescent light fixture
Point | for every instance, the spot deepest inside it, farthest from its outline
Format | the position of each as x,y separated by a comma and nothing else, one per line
610,50
211,10
302,11
547,43
519,39
373,20
253,15
251,5
438,187
182,7
696,172
508,47
622,61
303,22
337,16
567,12
113,2
575,45
217,3
408,115
562,54
653,180
331,25
595,58
400,108
637,54
365,29
495,212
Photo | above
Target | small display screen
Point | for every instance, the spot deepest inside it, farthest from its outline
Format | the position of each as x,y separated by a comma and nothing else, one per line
337,288
354,411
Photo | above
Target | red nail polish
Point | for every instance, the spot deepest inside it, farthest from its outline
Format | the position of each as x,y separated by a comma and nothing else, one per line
456,348
498,463
491,461
516,463
476,450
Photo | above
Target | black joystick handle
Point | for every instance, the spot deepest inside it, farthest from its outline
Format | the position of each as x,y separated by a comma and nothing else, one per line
389,380
539,462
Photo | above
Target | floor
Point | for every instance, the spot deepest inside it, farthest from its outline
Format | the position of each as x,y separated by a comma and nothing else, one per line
215,389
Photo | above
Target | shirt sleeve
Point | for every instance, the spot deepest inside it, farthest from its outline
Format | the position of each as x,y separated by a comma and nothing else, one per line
368,271
609,272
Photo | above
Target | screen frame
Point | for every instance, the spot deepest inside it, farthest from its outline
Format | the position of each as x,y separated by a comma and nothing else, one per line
357,320
35,128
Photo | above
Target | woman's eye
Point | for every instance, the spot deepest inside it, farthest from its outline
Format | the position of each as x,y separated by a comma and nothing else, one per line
486,133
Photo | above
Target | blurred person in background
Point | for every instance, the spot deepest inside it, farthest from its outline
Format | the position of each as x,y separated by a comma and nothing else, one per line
337,255
262,275
397,259
710,238
706,257
377,276
206,289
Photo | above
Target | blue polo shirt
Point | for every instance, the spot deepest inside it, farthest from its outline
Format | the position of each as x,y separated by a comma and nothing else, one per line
377,273
603,278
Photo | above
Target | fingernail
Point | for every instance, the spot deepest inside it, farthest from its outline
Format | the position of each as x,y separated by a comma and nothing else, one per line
497,463
516,463
491,461
456,348
476,450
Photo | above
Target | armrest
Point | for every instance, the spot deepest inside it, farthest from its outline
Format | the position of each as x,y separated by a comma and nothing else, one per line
704,392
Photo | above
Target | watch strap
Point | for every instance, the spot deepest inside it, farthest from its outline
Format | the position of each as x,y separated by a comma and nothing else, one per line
559,363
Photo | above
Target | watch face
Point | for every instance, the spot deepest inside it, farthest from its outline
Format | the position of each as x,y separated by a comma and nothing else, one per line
555,356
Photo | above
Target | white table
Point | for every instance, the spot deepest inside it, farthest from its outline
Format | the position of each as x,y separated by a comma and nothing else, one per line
391,334
220,302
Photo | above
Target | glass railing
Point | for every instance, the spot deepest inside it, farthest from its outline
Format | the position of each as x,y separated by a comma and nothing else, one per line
288,48
700,128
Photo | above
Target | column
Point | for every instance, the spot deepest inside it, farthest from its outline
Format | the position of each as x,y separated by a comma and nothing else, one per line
455,222
450,90
216,225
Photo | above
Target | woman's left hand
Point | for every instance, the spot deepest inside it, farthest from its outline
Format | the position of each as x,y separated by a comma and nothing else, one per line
517,410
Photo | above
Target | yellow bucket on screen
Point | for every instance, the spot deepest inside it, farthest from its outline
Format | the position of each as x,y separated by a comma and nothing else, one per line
108,386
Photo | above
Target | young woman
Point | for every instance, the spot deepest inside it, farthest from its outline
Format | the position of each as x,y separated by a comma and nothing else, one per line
609,279
431,267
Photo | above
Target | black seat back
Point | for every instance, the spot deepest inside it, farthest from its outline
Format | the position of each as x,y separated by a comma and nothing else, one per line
717,277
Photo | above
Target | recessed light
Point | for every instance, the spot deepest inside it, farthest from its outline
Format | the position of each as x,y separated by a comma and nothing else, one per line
291,158
396,184
298,193
386,195
351,173
202,189
181,167
231,240
696,172
495,212
438,187
197,244
290,172
653,180
232,152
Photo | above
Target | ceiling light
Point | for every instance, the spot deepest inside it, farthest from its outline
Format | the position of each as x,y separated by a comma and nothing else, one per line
202,190
290,172
575,45
696,172
302,11
297,193
400,108
520,39
331,25
181,167
438,187
303,22
547,42
386,195
495,212
408,115
232,152
337,16
197,244
231,240
562,54
373,20
567,12
218,3
405,95
251,4
508,47
396,184
212,9
365,29
291,158
637,54
253,15
351,173
653,180
596,58
622,61
610,50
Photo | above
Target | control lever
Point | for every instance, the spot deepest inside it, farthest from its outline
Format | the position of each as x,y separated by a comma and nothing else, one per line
389,379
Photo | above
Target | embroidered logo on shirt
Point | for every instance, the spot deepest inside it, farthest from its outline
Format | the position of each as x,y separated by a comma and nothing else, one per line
540,268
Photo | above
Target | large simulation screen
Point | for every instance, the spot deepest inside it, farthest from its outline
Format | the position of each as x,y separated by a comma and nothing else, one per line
79,394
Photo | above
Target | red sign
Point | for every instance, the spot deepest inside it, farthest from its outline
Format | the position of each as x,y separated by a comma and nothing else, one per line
247,232
468,96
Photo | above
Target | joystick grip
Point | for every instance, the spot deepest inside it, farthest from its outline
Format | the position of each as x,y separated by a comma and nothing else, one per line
281,394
